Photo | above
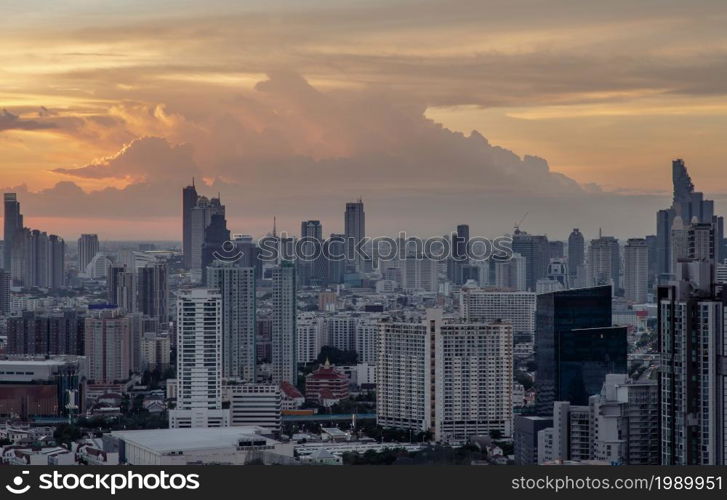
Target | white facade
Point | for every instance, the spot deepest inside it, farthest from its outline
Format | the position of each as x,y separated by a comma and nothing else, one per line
199,361
366,333
254,405
517,308
453,379
309,337
284,345
511,274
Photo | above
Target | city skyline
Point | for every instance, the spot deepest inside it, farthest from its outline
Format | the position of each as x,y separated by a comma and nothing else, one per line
111,115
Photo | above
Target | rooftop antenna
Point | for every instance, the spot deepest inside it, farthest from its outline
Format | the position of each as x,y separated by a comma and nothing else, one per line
275,233
193,181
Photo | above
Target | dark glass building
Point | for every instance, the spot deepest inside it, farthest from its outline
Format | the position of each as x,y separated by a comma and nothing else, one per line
575,346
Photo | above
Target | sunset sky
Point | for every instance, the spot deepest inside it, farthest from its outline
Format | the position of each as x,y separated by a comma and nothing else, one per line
435,113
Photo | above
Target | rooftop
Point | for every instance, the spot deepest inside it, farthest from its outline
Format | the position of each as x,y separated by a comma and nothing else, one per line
165,440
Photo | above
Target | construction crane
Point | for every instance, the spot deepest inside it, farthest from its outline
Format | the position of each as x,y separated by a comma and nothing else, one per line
518,224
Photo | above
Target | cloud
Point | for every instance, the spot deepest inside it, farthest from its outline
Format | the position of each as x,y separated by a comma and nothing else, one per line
10,121
143,159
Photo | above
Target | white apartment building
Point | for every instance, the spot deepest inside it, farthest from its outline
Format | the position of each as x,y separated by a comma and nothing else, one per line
636,270
309,337
518,308
453,379
199,361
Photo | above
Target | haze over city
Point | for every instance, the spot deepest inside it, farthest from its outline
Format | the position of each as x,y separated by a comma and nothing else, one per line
430,111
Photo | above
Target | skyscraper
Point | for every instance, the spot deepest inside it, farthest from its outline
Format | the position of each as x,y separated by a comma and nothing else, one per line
189,201
536,251
87,249
576,254
13,223
691,321
355,231
575,345
4,293
216,240
636,270
284,363
237,288
201,217
108,346
152,292
311,263
460,242
604,262
199,361
689,206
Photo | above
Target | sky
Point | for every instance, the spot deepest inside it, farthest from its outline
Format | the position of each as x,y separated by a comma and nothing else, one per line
557,113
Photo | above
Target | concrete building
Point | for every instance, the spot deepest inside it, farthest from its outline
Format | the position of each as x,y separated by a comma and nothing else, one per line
421,382
254,405
517,308
636,270
199,361
284,345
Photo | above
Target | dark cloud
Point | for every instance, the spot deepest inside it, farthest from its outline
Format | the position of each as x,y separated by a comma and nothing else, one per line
10,121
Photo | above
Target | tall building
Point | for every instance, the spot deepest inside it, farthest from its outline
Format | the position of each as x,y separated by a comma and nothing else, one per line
604,262
217,244
237,287
199,361
341,332
536,251
152,292
452,379
636,270
575,345
4,293
691,329
619,425
88,247
46,334
335,268
576,254
689,206
284,363
311,268
200,217
455,265
37,260
511,274
517,308
355,231
13,223
189,201
109,346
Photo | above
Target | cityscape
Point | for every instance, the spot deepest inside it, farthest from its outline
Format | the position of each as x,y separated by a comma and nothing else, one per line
274,235
585,351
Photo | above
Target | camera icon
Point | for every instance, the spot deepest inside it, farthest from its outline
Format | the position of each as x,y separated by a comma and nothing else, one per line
17,487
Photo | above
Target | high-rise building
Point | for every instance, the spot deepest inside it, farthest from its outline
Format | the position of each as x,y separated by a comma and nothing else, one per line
88,247
619,425
557,249
452,379
217,244
46,333
636,270
109,346
575,345
691,327
576,254
200,217
341,332
311,263
189,201
199,361
366,332
237,287
284,363
604,262
152,292
334,255
4,293
536,251
511,274
355,231
517,308
689,206
13,223
456,264
309,337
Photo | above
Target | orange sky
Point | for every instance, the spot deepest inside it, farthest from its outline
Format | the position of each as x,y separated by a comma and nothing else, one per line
608,94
